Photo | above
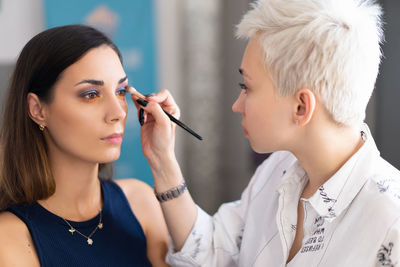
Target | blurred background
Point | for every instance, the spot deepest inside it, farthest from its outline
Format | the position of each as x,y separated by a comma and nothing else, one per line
188,47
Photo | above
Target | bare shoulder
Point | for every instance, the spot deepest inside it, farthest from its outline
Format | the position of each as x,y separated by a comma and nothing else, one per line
16,246
141,199
12,229
140,196
134,188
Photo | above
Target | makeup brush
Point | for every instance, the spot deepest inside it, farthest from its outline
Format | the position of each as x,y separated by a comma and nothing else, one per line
141,101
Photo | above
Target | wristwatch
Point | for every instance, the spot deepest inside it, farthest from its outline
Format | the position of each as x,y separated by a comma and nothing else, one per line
172,193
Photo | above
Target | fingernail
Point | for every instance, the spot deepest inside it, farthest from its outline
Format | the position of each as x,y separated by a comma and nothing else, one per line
142,102
150,95
141,117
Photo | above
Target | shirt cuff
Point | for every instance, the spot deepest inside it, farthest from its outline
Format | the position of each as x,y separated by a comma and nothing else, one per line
196,246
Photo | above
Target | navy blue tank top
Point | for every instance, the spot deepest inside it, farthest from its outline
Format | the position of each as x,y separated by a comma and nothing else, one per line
121,241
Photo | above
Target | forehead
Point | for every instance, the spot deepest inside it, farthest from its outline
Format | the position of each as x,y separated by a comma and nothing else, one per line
253,56
100,63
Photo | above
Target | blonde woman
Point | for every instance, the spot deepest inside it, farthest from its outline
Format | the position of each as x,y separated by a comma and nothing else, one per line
324,197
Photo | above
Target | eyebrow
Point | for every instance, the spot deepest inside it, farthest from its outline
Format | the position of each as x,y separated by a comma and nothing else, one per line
98,82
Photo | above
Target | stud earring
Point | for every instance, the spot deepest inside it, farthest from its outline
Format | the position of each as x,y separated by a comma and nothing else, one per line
41,127
297,122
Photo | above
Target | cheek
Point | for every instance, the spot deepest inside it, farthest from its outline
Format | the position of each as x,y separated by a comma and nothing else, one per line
254,111
262,120
79,134
70,116
70,126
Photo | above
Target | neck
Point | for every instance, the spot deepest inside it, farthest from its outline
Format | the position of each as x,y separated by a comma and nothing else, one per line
78,193
324,152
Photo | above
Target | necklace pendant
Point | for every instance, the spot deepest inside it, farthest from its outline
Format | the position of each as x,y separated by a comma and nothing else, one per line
90,241
72,231
100,225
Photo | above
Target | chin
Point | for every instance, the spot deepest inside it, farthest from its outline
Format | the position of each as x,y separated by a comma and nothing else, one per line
261,149
255,148
110,157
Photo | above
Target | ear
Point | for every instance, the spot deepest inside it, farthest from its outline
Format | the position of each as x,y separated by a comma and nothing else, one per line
305,106
36,109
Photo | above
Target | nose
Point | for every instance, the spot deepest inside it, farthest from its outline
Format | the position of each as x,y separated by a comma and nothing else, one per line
238,105
116,109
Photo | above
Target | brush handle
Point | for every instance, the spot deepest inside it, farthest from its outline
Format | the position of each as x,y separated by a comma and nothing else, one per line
183,126
141,101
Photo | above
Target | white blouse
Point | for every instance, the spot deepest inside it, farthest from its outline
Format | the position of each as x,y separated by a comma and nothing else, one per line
352,220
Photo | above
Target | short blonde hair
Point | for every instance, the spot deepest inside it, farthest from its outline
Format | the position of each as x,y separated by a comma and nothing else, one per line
329,46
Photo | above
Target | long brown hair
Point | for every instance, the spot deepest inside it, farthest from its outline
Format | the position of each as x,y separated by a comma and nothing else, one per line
25,173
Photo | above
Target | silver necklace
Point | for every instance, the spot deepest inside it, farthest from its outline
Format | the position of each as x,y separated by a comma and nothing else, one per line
88,238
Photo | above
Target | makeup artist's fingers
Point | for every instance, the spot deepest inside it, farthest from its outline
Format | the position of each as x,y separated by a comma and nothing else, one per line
155,111
134,98
140,114
143,116
167,102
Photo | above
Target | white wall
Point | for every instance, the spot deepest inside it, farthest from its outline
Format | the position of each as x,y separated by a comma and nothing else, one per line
20,20
169,52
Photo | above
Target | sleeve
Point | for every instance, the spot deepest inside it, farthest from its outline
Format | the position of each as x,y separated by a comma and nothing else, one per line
213,241
216,240
389,252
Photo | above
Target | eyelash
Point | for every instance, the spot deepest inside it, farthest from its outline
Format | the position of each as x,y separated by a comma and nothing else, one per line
93,94
90,94
121,91
243,87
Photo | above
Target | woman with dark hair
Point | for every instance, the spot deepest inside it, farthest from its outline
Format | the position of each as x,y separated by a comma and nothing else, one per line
63,123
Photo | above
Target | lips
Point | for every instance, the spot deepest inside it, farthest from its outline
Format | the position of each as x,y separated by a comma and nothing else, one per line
113,139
